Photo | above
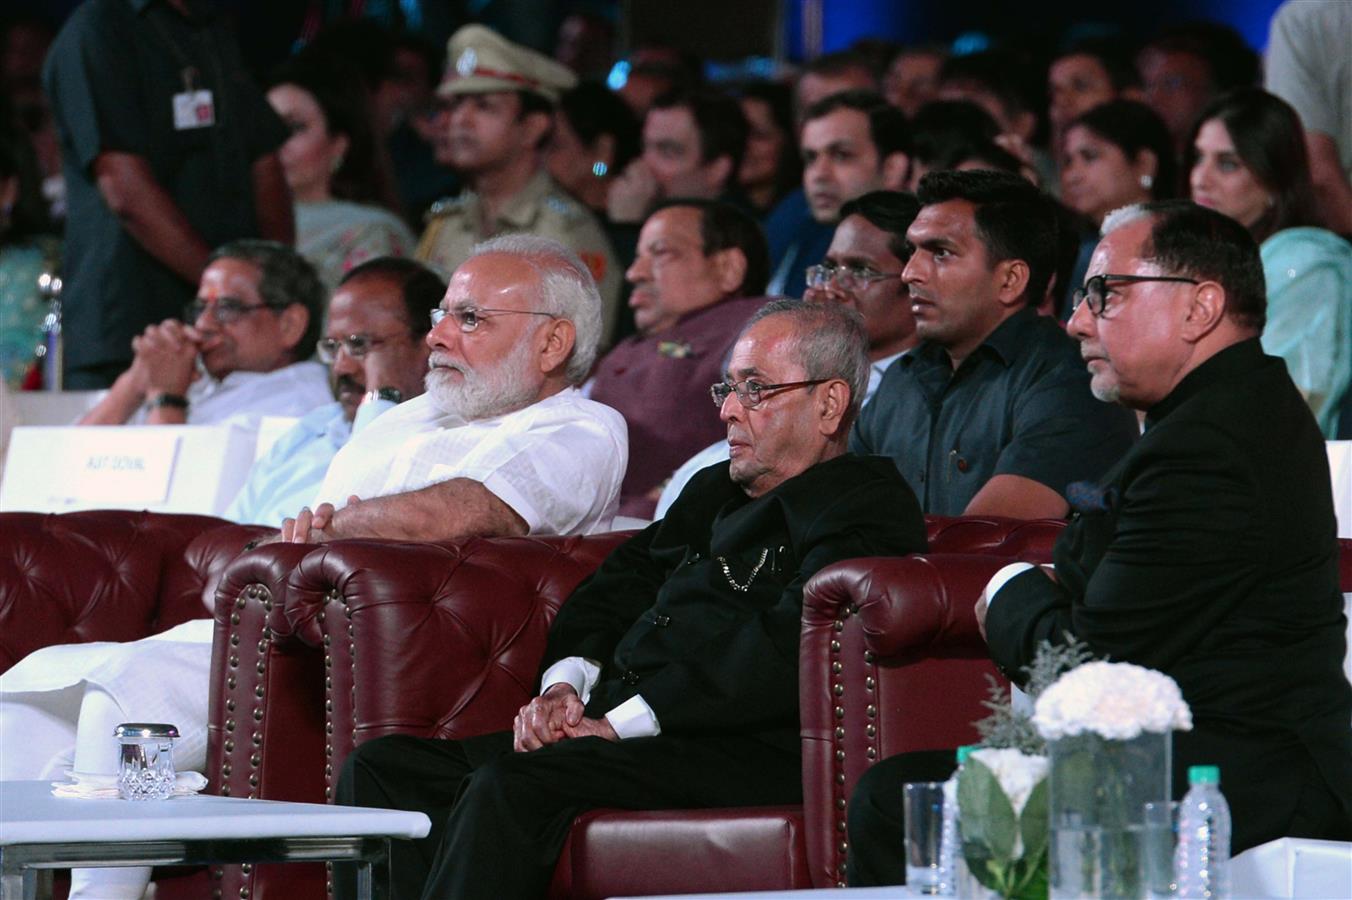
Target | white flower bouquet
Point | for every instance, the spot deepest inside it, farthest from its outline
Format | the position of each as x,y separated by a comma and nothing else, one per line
1002,810
1116,701
1107,727
1002,786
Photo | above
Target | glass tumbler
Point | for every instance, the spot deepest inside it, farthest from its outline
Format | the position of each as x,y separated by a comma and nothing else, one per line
145,769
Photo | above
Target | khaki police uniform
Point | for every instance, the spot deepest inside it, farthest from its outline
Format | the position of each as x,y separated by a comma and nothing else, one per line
481,61
541,208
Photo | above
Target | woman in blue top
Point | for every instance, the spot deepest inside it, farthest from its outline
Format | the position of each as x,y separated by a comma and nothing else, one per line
1247,159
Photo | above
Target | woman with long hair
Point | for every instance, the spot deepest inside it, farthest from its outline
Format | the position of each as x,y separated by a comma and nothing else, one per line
1246,158
343,193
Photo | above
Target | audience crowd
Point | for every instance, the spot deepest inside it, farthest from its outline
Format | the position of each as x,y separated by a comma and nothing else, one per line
904,271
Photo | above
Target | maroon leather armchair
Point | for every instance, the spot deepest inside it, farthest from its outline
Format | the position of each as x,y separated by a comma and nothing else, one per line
110,575
318,651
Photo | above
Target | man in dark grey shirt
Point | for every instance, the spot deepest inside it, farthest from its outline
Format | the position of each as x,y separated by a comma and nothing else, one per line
991,414
168,151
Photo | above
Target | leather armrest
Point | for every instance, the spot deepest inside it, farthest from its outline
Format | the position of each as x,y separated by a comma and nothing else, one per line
890,661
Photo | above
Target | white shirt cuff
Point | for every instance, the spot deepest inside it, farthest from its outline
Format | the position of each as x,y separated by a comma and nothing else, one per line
577,671
999,579
634,718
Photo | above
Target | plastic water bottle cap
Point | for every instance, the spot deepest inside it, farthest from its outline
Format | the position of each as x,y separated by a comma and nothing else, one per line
1204,775
965,751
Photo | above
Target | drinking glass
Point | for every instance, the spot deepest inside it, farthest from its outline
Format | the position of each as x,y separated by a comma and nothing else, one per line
145,769
926,869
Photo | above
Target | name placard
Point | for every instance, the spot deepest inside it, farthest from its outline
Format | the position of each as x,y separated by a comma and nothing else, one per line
164,468
116,468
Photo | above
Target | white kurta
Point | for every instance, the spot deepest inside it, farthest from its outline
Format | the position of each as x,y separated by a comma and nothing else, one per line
558,463
244,398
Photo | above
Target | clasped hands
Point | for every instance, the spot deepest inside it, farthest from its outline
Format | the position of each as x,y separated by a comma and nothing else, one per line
556,715
165,357
312,526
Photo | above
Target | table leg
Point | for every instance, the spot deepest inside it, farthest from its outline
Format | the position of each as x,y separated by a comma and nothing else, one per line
364,880
25,884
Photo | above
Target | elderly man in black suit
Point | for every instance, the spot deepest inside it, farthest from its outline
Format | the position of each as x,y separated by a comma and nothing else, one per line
671,674
1210,551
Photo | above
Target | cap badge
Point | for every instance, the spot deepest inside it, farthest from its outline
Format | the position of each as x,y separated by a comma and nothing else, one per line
468,61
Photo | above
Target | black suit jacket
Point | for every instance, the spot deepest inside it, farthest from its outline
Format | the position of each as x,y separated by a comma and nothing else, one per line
662,616
1210,554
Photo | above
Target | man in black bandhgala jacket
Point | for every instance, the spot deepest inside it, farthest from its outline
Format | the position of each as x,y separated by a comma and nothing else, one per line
671,675
1210,551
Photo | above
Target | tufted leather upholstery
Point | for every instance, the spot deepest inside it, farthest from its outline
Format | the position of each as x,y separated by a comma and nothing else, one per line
890,661
445,640
103,575
318,648
110,575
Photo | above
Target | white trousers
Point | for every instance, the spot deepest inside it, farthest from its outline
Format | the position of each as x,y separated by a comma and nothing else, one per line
60,705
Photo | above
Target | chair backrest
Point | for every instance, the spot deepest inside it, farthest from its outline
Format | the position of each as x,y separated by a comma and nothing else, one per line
103,575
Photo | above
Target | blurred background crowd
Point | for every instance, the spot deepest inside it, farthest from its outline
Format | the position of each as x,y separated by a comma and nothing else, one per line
1245,107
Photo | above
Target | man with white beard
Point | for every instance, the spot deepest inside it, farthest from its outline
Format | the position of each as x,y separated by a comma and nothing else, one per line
502,443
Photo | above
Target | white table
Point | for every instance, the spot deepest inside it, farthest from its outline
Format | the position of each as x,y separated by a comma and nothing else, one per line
1284,868
39,832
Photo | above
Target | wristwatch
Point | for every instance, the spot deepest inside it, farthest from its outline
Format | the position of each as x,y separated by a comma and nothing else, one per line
173,401
389,394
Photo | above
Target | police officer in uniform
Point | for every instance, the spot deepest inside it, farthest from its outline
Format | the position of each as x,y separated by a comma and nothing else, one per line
498,110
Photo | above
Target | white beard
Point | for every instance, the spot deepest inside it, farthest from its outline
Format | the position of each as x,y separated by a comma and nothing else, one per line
486,392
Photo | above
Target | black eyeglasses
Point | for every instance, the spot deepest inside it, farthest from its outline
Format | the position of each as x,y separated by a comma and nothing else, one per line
469,318
356,345
1095,290
752,392
224,311
850,278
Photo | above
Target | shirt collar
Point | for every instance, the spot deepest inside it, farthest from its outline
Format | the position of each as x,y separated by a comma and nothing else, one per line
1005,342
522,209
1225,366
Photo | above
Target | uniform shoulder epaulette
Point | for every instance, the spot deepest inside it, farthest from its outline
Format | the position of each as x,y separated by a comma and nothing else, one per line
443,207
565,206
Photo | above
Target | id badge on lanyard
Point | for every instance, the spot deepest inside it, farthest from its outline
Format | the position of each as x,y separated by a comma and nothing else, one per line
193,107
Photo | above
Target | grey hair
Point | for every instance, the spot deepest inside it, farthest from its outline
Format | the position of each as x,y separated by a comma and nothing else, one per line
831,343
284,278
567,290
1123,215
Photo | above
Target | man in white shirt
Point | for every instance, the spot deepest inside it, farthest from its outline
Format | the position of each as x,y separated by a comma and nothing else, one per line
240,352
502,443
375,344
862,270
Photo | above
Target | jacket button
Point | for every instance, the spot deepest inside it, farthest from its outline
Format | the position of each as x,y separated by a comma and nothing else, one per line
629,677
963,465
662,621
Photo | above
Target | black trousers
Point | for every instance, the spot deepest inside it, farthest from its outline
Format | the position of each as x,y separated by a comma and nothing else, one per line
876,819
499,818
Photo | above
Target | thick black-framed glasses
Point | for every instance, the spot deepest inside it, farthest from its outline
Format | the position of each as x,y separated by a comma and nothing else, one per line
469,318
224,310
1095,290
356,345
850,278
752,392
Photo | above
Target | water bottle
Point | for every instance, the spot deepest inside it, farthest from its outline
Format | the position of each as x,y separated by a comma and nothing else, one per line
952,865
1202,860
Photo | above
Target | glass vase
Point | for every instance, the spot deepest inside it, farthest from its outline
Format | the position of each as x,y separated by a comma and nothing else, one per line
1098,789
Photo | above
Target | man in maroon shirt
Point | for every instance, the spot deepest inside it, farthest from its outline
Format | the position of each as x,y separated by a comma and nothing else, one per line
699,274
